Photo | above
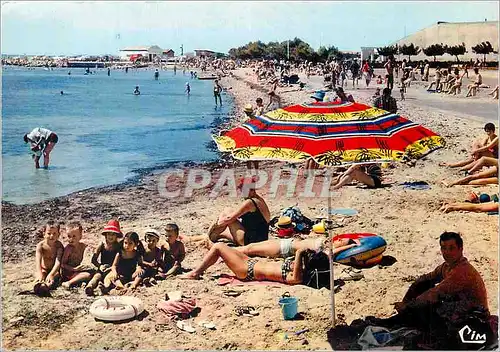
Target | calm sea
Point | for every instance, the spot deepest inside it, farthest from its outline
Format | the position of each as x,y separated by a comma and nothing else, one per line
106,134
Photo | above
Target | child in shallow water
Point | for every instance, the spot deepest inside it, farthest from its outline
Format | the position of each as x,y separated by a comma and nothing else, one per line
126,271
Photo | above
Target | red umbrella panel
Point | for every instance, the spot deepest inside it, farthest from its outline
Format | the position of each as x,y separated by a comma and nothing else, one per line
330,133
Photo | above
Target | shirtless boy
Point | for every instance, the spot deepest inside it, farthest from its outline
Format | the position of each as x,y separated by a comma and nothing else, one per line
72,270
48,259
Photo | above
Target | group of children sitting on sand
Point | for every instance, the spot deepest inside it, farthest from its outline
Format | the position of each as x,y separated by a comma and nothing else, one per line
121,261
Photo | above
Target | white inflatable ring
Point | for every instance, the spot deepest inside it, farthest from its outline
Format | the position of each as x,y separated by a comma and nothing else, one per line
116,308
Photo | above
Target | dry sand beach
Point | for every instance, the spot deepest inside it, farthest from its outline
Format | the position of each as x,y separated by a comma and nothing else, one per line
409,220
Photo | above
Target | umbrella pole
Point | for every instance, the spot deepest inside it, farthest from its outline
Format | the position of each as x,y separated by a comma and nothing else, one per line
330,254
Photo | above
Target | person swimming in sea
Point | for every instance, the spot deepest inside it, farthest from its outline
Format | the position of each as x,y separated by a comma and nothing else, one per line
62,93
136,91
188,88
157,74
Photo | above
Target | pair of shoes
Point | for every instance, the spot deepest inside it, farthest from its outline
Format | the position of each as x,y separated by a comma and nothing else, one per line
246,311
351,274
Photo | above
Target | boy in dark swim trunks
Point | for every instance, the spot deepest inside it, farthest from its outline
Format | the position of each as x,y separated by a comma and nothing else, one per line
369,174
107,252
48,257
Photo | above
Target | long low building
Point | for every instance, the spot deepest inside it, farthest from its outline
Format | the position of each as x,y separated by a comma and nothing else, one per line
149,52
454,33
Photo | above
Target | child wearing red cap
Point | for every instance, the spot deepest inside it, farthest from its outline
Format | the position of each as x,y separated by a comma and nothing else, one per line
105,254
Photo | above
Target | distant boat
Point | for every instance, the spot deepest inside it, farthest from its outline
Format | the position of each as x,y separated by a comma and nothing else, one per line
207,77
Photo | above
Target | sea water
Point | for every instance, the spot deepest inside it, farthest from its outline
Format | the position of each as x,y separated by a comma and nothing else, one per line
106,133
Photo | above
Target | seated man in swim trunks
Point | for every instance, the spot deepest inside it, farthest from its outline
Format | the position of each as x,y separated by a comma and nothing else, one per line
48,257
487,177
485,147
291,272
475,85
441,298
369,174
285,248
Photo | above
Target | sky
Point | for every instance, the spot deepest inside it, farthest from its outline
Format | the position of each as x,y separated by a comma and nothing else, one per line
103,27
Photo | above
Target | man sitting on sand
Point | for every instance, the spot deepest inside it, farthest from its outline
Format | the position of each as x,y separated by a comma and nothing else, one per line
445,296
342,97
485,147
386,102
475,85
437,80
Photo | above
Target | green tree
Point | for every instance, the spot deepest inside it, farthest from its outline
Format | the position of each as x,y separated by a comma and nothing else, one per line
484,49
434,50
388,51
456,50
409,50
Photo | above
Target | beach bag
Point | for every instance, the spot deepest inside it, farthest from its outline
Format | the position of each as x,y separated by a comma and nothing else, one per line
302,223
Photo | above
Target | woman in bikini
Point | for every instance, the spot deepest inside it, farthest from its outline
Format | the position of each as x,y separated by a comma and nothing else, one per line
292,271
249,223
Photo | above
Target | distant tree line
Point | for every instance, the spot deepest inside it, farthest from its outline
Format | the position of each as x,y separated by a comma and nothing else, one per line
294,50
435,50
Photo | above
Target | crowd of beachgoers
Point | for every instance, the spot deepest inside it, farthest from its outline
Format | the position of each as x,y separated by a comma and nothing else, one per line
243,236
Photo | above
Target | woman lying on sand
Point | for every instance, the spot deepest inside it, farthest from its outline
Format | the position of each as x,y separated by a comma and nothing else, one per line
486,147
285,248
488,177
477,165
254,214
291,272
478,208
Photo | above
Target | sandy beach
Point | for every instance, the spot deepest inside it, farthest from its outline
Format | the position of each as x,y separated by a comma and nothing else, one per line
409,220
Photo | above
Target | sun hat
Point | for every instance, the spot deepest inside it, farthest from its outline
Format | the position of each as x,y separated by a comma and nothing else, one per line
152,232
248,108
114,227
320,95
284,222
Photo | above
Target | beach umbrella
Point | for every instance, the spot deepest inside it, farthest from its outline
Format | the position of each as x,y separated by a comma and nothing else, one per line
331,133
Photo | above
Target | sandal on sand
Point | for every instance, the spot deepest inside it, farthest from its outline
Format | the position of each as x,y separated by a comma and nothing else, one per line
207,325
185,326
246,311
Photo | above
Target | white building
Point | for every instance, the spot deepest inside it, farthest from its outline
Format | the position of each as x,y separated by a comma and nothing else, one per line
134,52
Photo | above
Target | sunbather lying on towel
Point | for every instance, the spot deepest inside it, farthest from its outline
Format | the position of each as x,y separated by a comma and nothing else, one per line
477,208
285,248
480,163
487,177
245,268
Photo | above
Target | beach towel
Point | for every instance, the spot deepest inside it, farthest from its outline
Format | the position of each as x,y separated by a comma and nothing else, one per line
416,185
177,309
234,281
344,211
376,336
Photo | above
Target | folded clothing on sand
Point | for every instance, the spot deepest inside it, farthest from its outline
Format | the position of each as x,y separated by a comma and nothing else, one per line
177,309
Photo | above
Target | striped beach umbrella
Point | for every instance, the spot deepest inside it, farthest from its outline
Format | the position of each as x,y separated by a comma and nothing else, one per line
331,133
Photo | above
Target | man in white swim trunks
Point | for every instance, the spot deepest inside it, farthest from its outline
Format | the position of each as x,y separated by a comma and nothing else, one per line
41,140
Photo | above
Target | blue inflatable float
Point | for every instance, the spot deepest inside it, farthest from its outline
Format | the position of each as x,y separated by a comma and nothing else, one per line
371,247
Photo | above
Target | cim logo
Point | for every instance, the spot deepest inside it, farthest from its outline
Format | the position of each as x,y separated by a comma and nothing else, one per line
467,335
